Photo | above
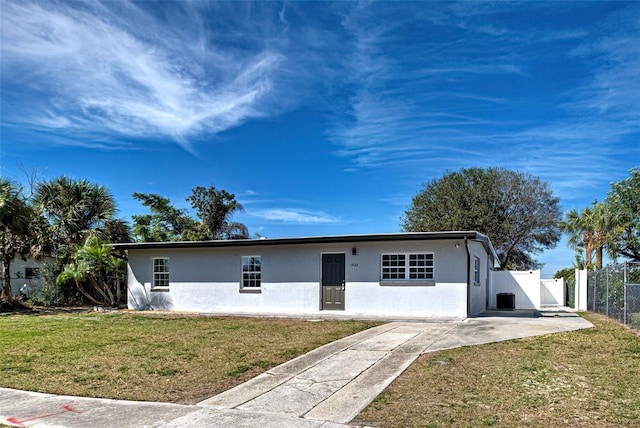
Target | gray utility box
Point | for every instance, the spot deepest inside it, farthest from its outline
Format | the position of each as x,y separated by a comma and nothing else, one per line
506,301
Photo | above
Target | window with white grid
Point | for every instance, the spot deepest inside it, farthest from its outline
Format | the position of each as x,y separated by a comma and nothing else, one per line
407,267
251,271
421,266
393,266
160,273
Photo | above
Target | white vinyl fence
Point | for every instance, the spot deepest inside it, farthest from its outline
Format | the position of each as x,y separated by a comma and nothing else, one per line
525,285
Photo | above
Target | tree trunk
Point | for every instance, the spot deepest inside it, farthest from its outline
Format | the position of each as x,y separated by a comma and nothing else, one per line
87,295
118,288
588,252
6,279
96,287
599,258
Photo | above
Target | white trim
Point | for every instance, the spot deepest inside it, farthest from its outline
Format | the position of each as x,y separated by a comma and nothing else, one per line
407,269
251,259
168,273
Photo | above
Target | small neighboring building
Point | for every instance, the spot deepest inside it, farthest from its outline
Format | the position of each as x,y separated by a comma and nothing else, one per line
24,272
426,274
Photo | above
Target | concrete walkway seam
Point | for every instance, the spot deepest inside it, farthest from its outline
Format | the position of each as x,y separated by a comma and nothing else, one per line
277,376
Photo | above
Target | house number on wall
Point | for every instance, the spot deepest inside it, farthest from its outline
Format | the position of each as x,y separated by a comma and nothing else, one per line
354,264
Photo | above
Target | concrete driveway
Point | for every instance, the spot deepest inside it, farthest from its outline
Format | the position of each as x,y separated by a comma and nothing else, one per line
326,387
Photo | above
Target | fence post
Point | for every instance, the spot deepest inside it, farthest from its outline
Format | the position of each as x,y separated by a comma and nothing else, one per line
607,299
626,281
595,289
580,288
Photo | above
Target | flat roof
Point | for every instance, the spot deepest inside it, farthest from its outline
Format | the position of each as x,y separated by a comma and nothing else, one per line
378,237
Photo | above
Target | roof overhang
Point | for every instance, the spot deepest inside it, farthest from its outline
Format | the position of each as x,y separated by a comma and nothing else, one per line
379,237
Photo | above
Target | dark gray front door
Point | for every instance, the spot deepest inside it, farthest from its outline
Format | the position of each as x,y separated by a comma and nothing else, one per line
333,281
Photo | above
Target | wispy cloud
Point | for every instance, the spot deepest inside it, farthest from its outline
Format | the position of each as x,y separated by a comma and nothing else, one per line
295,216
96,70
395,115
468,99
409,88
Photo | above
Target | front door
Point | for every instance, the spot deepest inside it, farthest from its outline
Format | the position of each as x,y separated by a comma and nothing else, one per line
333,281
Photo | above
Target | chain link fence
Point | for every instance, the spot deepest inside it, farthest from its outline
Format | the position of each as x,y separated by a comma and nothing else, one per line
615,292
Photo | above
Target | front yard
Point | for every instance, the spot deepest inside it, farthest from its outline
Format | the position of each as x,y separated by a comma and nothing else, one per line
585,378
149,356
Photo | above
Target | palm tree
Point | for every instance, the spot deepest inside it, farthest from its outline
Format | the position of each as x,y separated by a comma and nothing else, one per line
79,212
591,230
235,230
580,228
15,217
75,210
95,272
603,221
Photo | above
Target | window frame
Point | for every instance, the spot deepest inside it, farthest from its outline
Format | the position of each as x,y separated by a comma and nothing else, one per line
403,272
245,282
31,272
157,273
476,270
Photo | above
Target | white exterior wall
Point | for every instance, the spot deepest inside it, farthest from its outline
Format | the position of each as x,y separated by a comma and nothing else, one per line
17,271
524,284
552,292
208,280
479,291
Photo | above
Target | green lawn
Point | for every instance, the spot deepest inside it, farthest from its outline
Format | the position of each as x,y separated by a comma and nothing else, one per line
586,378
151,356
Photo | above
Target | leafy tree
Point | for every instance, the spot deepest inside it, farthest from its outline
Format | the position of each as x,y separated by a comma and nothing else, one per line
165,223
612,226
624,201
77,212
23,232
116,230
517,211
96,272
15,218
566,273
215,208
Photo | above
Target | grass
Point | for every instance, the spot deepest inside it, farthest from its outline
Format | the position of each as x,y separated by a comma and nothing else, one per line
586,378
150,356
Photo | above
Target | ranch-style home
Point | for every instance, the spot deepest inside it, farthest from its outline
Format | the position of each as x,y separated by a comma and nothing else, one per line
424,274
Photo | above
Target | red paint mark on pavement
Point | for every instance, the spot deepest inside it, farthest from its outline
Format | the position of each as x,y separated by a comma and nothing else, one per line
20,421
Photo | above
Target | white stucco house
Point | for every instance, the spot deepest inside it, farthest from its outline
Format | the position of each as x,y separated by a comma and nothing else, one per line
427,274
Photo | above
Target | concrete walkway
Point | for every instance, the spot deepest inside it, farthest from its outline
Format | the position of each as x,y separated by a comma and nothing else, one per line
326,387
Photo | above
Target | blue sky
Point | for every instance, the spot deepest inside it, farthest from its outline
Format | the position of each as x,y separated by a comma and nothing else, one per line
322,117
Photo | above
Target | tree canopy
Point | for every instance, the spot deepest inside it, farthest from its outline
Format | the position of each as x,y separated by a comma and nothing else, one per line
60,218
624,201
74,209
611,226
518,212
215,209
15,218
165,223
